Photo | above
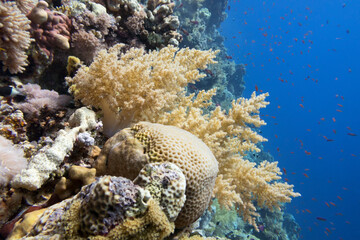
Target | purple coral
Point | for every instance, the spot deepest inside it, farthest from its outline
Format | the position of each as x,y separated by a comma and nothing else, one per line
38,99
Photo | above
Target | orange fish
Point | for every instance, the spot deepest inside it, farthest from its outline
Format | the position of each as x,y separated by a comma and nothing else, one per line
256,88
340,105
307,153
340,198
307,169
352,134
314,199
284,170
339,214
333,204
322,119
338,110
301,105
327,204
334,120
276,136
308,210
307,176
334,131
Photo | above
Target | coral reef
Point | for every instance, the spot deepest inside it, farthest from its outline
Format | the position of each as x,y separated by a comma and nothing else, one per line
14,37
12,123
109,208
138,85
49,158
130,149
49,28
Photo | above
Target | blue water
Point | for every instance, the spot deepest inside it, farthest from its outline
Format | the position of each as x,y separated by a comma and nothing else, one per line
307,52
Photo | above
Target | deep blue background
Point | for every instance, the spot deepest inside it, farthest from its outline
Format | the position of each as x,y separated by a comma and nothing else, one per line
307,52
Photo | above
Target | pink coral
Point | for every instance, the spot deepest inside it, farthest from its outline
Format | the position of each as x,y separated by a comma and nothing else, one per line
50,29
12,161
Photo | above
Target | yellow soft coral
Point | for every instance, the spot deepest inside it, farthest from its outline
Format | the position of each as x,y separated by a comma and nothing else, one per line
134,86
229,136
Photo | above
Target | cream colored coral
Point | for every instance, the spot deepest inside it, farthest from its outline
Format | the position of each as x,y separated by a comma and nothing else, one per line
136,86
146,142
230,136
14,37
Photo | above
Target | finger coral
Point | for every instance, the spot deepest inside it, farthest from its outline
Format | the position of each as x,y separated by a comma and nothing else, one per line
14,37
136,86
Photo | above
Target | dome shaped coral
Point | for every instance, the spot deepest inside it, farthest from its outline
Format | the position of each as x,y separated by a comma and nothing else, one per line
130,149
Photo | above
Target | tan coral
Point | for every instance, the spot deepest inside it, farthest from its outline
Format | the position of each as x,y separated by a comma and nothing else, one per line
230,136
78,177
14,37
137,86
127,150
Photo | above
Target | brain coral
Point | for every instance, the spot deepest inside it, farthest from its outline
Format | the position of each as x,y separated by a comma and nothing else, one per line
129,150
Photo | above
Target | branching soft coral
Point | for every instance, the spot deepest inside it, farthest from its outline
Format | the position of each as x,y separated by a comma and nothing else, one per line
230,136
134,86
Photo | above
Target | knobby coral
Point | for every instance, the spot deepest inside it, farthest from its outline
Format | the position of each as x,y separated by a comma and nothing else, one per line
14,37
131,87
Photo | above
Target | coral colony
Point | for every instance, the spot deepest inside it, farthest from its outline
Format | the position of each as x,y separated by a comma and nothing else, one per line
131,125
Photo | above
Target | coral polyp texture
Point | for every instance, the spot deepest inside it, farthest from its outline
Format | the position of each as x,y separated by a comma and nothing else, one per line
109,208
166,184
14,37
137,86
147,142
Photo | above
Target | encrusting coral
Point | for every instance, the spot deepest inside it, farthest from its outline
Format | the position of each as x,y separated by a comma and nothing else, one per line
14,37
131,87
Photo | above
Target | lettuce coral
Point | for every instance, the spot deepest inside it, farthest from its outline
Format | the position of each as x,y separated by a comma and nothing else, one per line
134,86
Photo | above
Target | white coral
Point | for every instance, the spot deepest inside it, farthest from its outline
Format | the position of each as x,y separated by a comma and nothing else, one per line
14,37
